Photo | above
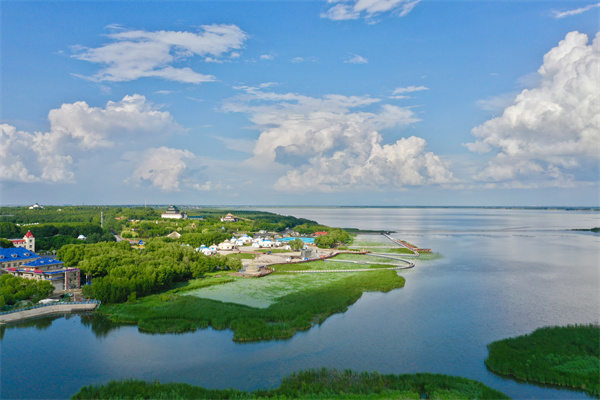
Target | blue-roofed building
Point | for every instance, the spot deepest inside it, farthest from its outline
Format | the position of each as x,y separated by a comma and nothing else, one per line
26,264
15,257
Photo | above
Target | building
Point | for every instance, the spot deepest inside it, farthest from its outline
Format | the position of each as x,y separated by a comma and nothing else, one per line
229,218
36,206
24,264
28,242
49,269
173,213
15,257
227,246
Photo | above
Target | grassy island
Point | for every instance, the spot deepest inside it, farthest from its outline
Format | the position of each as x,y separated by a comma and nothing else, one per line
566,356
174,311
311,384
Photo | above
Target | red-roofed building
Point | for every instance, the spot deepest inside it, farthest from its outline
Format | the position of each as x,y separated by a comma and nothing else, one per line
28,241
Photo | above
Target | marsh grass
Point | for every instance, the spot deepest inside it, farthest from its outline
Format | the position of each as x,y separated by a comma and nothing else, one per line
566,356
261,293
311,384
290,313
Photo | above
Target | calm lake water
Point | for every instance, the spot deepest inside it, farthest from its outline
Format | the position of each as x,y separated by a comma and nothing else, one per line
503,273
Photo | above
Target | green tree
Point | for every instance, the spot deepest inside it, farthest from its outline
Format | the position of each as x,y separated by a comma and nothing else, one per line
297,244
6,244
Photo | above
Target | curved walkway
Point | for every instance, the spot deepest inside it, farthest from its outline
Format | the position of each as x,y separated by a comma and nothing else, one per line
409,264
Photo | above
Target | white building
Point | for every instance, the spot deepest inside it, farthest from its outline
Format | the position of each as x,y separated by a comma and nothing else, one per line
27,242
229,218
173,213
227,246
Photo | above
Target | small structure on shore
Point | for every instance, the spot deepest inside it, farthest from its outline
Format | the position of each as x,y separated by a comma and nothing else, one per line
310,253
254,271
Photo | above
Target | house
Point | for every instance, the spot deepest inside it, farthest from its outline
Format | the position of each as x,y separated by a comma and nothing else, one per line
229,218
36,206
227,246
27,242
173,213
81,237
207,251
25,264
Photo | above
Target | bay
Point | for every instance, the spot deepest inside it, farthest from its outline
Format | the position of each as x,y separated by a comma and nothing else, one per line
501,273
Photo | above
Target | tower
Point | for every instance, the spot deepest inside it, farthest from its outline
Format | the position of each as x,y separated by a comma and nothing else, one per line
29,241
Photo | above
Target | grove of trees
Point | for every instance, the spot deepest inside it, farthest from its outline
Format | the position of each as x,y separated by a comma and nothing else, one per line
120,272
14,289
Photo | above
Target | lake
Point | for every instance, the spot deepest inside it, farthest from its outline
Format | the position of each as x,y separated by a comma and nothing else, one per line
502,273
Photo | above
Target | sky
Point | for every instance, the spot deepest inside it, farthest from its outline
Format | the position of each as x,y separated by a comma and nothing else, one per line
329,102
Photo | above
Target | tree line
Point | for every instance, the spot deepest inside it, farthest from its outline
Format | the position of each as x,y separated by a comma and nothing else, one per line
120,273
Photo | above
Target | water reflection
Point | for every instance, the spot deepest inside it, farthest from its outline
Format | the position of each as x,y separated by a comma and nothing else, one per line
496,279
100,325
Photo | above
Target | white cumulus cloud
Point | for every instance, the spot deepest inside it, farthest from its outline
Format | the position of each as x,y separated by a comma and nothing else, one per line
135,54
77,130
368,9
162,167
553,128
329,144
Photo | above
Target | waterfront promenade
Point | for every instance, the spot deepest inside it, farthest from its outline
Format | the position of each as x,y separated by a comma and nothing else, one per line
43,309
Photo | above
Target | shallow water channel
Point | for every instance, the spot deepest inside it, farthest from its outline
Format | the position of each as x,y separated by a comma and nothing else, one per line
502,273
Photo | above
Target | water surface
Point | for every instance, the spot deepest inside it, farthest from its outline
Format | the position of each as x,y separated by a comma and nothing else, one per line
503,273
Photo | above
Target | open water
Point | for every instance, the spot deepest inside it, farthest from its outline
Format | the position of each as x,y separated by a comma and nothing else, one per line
502,273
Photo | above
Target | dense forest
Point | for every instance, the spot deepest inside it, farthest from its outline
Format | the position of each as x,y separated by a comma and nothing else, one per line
120,272
566,356
311,384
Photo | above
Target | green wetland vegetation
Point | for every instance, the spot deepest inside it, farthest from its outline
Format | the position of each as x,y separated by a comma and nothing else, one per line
310,384
290,313
565,356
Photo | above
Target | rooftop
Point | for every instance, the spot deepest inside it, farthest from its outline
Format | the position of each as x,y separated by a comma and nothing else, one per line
16,254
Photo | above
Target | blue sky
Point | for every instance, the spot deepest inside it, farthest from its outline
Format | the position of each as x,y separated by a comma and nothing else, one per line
355,102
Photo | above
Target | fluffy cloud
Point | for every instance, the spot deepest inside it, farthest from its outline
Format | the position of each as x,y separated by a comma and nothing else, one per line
162,167
326,144
138,54
552,128
355,9
98,127
32,157
75,130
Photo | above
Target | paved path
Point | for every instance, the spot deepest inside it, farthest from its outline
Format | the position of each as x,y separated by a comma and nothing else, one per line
38,311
